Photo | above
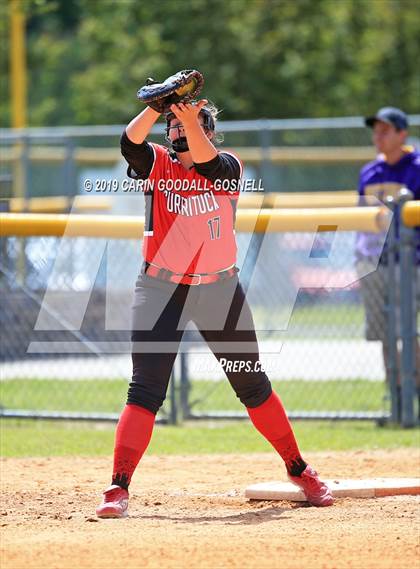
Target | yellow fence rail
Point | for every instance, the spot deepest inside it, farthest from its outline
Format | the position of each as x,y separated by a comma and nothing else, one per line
61,204
411,214
372,219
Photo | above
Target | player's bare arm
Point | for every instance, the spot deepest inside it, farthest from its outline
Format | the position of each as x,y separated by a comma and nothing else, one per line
139,128
199,143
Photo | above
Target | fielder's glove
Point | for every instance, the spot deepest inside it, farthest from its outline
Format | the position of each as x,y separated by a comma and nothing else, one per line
181,87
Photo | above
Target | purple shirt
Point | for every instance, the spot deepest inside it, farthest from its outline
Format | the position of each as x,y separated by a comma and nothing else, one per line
380,179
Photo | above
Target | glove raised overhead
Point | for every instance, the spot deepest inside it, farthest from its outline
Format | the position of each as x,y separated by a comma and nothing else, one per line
182,87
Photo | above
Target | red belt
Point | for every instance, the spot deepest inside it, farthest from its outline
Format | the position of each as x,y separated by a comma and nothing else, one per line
190,278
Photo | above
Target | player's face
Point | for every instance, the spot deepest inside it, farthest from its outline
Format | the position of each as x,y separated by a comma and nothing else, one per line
386,138
176,130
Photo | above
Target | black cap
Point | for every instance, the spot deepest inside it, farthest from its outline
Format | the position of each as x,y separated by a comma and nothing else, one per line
390,115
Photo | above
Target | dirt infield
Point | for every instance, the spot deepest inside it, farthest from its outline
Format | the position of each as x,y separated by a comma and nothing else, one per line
189,512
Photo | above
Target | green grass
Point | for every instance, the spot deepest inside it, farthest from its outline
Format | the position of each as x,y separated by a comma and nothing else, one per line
317,321
340,315
21,438
49,438
64,395
109,395
351,395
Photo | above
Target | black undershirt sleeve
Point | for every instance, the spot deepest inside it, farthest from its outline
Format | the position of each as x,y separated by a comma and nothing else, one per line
221,167
140,157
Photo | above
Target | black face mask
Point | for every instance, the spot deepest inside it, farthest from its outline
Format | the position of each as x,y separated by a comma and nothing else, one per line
180,145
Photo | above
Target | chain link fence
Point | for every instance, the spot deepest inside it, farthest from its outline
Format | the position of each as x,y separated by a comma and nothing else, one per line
296,155
307,306
311,337
52,359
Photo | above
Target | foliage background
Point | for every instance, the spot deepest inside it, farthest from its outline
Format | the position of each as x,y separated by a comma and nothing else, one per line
261,58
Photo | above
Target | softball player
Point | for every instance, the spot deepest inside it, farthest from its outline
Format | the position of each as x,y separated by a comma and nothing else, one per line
189,274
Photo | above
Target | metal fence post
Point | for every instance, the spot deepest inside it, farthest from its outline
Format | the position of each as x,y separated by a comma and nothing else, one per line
70,189
185,385
21,168
173,413
408,332
69,170
390,309
20,189
265,143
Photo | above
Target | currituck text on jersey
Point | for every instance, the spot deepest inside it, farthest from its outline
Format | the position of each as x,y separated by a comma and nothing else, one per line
192,205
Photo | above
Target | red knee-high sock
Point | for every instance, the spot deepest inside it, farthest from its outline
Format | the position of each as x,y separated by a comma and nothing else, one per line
132,438
271,420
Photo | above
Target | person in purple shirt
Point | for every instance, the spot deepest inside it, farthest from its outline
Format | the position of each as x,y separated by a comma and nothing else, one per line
396,166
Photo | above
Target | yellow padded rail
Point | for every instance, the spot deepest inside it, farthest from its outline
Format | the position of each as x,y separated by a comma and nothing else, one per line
372,219
70,225
411,213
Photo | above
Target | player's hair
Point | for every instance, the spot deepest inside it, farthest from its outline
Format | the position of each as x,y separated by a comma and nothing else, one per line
214,112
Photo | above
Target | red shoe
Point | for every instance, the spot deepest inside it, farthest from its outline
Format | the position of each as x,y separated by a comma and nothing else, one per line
317,493
114,503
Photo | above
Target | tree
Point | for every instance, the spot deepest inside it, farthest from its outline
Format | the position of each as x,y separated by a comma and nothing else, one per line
260,58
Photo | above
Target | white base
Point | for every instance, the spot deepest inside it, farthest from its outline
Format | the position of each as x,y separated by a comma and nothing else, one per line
368,488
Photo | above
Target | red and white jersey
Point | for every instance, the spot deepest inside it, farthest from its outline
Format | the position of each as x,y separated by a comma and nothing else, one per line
190,223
